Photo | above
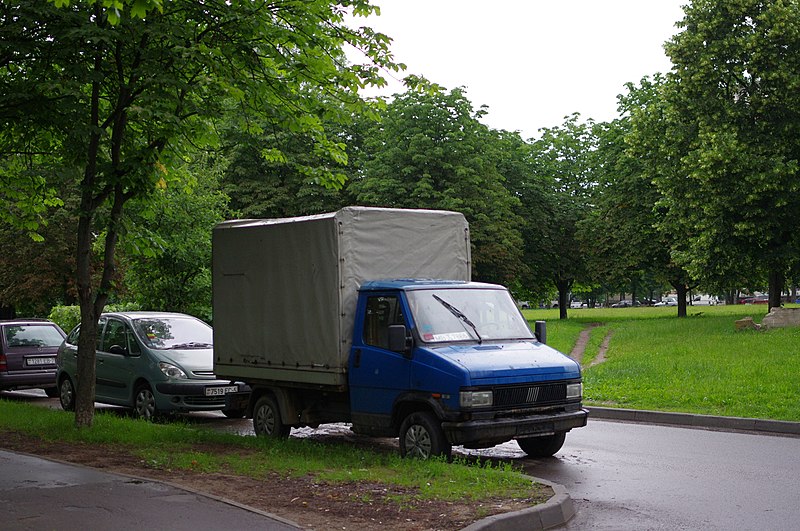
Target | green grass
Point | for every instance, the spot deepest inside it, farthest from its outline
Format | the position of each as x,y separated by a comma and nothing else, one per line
699,364
176,445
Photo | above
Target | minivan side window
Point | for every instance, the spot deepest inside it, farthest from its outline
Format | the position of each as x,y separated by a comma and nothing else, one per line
114,335
73,336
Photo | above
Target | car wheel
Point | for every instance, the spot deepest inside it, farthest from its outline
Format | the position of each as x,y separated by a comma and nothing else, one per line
542,446
267,419
421,437
233,413
66,394
144,403
51,392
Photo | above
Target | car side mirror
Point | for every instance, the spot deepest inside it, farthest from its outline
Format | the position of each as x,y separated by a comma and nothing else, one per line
399,340
116,349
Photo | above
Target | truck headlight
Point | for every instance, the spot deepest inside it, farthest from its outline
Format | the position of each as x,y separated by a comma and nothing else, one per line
475,398
172,371
575,390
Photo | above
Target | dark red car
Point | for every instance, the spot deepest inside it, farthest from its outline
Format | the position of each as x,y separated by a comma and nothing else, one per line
28,350
758,299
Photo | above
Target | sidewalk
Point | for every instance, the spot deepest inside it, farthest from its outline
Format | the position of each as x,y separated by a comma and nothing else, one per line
39,494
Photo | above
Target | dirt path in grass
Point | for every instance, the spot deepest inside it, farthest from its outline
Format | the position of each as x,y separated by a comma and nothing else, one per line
583,340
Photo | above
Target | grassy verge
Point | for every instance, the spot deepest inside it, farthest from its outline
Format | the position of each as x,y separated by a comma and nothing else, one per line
175,446
697,365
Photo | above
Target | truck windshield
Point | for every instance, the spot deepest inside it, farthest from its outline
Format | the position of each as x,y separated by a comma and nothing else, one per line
446,315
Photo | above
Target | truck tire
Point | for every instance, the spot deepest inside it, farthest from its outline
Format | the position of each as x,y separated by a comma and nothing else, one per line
421,437
267,420
542,446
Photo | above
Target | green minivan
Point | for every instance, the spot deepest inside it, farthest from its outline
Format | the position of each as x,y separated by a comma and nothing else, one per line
150,362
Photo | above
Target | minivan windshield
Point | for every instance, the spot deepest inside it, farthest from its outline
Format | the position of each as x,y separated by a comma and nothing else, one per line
164,333
443,315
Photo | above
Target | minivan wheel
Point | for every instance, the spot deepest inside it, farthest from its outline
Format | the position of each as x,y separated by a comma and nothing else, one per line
421,437
66,394
542,446
267,419
144,403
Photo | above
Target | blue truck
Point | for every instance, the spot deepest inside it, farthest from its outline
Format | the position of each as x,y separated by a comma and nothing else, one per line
369,316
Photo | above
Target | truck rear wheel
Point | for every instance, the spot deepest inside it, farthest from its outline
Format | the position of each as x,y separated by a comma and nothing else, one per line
267,419
421,437
542,446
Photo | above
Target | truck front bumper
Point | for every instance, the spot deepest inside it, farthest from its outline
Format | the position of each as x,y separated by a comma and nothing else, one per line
486,433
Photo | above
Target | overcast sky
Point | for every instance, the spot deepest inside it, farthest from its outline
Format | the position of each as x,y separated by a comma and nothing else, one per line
532,62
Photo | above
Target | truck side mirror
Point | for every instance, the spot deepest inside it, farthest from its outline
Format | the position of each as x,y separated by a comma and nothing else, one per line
398,339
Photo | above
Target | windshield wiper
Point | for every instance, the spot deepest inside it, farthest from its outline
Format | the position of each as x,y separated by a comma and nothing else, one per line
460,316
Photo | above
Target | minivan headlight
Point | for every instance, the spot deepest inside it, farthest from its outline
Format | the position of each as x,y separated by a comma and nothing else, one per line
575,390
476,398
172,371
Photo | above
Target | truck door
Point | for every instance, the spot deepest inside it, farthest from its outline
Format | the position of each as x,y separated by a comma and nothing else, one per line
377,375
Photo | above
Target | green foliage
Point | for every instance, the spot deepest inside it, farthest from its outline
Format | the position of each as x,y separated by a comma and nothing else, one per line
431,151
732,138
67,317
110,104
562,157
167,245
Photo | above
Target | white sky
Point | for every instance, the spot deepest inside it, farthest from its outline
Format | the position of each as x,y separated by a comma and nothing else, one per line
533,62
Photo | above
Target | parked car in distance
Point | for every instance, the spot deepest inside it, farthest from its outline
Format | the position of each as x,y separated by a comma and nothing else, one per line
524,305
28,350
150,362
626,303
704,300
668,301
756,299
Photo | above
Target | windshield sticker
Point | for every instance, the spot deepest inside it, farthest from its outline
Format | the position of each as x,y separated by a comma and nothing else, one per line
455,336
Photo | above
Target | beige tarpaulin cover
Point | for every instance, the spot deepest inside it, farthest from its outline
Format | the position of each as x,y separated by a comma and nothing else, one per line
285,290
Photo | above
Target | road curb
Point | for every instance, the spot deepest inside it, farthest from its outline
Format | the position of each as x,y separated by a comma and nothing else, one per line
777,427
554,512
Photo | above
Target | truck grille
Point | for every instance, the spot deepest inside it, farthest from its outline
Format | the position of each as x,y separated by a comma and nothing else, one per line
530,395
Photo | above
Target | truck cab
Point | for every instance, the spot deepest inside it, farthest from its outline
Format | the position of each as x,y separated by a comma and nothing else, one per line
442,363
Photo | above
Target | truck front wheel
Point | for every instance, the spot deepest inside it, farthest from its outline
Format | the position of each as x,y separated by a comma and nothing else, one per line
267,419
542,446
421,436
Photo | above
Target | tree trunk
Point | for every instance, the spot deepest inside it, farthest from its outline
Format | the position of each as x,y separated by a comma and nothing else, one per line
563,287
681,290
776,282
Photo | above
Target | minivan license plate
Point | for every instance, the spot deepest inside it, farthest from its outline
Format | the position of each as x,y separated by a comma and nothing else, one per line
219,391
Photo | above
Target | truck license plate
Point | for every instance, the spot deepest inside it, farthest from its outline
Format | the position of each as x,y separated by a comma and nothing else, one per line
40,361
219,391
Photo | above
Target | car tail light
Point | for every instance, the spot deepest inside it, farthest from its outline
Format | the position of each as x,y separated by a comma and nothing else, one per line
3,363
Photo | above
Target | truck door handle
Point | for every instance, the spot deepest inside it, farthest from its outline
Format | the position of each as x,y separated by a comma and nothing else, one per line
357,358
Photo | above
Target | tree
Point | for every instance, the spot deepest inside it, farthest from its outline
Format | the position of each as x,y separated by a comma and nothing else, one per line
562,156
431,151
734,114
110,102
624,233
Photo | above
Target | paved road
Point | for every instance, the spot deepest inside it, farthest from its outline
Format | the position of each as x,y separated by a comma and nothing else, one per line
633,476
